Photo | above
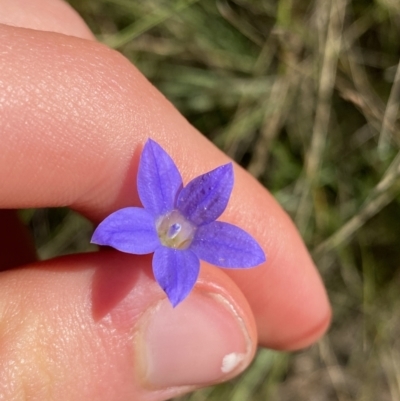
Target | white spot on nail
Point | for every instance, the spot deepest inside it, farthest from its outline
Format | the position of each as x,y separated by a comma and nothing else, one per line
231,361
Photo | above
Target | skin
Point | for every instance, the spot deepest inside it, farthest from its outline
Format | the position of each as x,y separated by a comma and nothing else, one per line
74,116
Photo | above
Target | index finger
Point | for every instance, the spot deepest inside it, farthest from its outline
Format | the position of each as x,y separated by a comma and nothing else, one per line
73,117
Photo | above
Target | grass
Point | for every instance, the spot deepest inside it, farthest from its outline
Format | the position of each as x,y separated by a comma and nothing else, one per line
305,95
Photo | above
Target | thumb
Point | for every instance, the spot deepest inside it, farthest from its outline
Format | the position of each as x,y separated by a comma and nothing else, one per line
97,326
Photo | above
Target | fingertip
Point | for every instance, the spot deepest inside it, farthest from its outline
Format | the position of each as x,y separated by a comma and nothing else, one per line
189,346
310,336
44,15
293,310
105,330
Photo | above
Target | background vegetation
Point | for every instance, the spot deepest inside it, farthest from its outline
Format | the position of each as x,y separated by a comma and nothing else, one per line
305,95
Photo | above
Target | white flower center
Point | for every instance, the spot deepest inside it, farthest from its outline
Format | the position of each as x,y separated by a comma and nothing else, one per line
175,231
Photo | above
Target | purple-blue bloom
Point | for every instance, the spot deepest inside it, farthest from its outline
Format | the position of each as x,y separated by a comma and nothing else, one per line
178,224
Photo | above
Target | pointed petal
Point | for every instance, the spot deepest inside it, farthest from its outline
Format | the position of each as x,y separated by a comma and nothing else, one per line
130,230
158,179
176,271
226,245
205,198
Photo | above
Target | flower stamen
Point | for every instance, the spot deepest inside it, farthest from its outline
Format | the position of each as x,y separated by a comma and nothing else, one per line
175,231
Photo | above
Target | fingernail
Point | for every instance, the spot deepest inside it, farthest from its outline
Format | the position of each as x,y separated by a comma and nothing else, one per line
201,341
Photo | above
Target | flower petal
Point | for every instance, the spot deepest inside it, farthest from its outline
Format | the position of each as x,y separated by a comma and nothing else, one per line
176,271
226,245
205,198
130,230
158,179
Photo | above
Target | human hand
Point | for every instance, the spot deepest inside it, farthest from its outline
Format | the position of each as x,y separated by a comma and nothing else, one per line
73,116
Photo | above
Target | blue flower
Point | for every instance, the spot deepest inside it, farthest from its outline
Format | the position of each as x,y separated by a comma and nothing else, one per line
178,224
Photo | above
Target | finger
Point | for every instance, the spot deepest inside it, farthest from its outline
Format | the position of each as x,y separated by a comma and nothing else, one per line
16,246
103,330
44,15
77,115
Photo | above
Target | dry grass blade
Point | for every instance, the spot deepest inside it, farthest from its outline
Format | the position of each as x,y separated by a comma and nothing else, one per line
157,17
391,367
247,29
242,127
367,102
383,193
390,116
335,372
273,121
331,48
365,98
74,227
343,235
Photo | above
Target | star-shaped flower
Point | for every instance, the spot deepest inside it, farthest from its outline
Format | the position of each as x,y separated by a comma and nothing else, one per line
178,224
